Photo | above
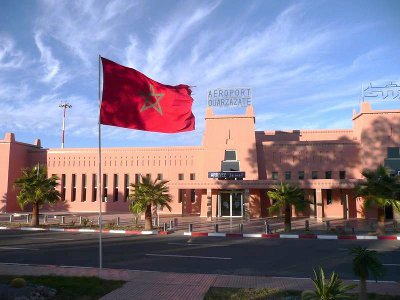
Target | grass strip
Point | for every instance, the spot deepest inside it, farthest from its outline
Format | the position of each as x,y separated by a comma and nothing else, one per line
217,293
79,288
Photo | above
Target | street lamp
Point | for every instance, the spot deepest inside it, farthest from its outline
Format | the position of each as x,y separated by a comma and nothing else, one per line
65,106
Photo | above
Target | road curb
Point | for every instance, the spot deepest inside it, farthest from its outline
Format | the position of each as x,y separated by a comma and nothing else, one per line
294,236
82,230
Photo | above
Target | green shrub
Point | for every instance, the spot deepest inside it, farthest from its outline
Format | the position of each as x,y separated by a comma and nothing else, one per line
18,283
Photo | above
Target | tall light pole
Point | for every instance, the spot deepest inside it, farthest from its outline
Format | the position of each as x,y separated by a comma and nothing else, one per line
65,106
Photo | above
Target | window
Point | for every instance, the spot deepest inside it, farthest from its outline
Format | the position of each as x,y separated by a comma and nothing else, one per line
73,198
64,187
230,166
301,175
328,196
180,196
192,176
105,188
230,155
126,187
342,174
159,176
94,187
288,175
83,196
193,196
115,192
328,175
137,178
181,176
393,152
314,174
275,175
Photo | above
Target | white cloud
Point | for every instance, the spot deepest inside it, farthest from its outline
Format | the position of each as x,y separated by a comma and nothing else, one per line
82,26
52,73
10,57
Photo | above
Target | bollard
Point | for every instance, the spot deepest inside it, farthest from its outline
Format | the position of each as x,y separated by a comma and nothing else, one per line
11,218
328,225
45,219
171,224
216,227
27,219
80,220
307,225
267,229
190,227
62,220
117,221
165,227
241,228
353,231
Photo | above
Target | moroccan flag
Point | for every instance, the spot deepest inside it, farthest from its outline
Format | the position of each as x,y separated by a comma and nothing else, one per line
133,100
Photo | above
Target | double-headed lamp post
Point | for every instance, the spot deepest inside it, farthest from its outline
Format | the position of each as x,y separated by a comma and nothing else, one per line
64,106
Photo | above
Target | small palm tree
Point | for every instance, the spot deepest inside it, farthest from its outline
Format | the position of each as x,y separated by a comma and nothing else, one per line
285,196
366,263
381,189
327,290
36,189
147,193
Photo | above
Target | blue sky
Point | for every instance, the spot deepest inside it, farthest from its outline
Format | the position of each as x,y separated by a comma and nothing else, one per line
305,61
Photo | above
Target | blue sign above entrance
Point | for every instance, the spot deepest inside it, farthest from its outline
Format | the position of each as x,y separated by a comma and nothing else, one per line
227,175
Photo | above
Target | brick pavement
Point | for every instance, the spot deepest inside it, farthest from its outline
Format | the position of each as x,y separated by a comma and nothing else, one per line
164,285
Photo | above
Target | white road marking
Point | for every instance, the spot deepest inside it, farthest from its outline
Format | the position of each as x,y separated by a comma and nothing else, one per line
377,250
198,244
18,248
188,256
302,278
43,238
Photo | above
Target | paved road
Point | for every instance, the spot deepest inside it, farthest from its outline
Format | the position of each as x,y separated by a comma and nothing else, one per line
262,257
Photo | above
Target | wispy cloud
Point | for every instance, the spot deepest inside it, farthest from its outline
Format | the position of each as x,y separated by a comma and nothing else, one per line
51,66
10,56
82,25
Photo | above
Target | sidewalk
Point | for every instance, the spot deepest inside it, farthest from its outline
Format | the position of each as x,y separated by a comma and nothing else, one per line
163,285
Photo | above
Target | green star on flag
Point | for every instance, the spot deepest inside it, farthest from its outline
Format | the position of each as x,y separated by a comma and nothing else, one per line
130,99
148,103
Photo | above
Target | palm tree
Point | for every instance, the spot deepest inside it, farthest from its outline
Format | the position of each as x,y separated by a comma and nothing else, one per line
147,193
285,196
366,263
36,189
331,290
381,189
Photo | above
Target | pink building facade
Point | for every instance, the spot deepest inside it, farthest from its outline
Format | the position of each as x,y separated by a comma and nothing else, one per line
229,174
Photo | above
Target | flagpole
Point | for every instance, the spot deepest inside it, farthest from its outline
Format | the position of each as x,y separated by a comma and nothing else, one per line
100,188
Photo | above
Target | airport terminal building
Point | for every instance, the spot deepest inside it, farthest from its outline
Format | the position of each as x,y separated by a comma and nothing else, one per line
229,174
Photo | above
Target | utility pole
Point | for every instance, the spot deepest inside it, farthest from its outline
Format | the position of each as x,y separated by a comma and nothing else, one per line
65,106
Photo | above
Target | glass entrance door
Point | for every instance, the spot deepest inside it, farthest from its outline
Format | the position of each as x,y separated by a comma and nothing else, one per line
225,205
236,204
230,204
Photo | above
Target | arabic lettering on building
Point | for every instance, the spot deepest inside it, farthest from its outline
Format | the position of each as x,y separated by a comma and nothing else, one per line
389,91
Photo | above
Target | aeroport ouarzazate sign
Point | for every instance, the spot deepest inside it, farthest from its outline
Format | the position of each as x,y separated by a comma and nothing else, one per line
229,97
227,175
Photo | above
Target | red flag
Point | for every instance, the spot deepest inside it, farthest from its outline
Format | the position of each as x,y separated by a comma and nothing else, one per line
133,100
